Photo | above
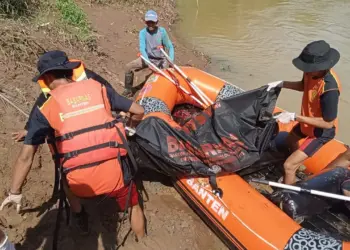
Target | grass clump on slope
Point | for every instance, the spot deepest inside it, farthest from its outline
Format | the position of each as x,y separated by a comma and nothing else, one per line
31,27
75,19
17,8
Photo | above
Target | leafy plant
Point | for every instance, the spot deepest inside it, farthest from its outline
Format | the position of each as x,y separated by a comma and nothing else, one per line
74,16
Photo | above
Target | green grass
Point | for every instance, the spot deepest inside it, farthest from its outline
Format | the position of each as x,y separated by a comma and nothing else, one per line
62,21
71,17
74,16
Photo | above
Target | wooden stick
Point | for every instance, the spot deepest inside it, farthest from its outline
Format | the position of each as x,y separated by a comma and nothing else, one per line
14,105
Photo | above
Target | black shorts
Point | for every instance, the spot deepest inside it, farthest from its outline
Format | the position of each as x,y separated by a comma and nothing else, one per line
312,144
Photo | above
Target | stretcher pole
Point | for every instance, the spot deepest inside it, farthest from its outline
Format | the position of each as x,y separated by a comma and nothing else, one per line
302,190
155,68
199,92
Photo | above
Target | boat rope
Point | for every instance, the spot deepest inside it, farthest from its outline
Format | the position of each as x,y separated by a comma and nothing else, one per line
242,222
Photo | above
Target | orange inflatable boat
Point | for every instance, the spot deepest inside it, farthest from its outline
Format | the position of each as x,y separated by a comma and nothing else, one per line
245,217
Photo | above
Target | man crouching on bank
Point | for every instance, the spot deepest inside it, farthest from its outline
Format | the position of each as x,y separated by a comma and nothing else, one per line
89,140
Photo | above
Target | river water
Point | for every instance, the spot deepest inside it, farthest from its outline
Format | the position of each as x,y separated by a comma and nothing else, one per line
253,42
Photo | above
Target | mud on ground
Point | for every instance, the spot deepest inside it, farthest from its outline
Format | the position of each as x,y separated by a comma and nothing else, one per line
171,224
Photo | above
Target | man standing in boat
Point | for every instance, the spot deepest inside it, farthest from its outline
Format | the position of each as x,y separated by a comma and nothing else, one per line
150,38
318,120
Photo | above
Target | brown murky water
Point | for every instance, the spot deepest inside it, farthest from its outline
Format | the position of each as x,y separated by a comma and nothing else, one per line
252,42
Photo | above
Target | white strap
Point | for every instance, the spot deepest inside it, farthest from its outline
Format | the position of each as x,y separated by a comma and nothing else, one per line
7,245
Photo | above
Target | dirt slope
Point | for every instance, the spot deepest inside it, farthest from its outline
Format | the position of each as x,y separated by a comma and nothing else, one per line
171,224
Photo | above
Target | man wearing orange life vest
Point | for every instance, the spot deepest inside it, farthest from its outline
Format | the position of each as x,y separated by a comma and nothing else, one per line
79,74
318,121
90,142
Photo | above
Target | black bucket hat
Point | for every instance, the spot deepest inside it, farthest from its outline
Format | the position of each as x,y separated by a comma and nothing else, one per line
54,60
317,56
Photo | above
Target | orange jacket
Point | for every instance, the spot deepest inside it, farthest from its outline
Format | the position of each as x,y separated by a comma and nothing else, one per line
311,104
86,136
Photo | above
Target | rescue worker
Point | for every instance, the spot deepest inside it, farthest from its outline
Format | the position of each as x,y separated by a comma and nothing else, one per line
81,73
90,142
150,38
318,120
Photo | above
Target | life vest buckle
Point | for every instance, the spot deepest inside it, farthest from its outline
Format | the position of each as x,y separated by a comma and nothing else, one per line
71,154
111,124
67,136
113,144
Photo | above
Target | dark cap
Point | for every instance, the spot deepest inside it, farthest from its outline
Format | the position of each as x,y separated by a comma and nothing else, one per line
54,60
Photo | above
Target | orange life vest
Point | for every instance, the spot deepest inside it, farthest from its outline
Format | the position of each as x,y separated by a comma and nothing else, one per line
86,133
311,104
79,74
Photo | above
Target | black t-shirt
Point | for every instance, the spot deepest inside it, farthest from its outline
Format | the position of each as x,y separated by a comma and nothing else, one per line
39,128
329,105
